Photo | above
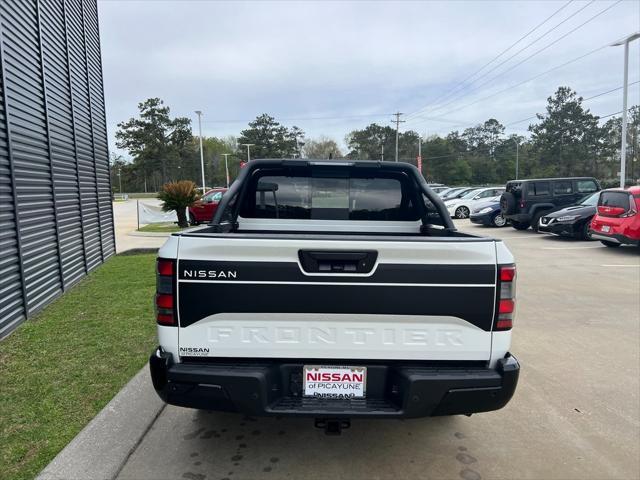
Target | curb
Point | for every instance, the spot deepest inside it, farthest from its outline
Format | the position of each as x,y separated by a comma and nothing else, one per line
101,449
148,234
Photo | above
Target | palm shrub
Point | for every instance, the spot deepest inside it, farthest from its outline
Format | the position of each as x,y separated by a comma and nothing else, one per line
178,196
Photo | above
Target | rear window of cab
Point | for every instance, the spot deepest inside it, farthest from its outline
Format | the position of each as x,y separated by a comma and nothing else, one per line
330,198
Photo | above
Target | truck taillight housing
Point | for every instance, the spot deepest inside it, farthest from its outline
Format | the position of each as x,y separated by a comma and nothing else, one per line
505,298
165,292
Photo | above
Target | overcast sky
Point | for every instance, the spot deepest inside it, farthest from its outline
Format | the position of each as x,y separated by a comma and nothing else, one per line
331,67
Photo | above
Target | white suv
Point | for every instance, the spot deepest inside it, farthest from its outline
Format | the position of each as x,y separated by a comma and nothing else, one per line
462,207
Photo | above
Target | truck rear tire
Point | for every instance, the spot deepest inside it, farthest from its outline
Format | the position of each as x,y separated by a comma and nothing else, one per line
520,225
535,221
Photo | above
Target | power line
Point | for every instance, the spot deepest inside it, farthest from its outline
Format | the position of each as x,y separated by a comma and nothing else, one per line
492,80
512,56
289,119
463,82
584,100
458,154
515,85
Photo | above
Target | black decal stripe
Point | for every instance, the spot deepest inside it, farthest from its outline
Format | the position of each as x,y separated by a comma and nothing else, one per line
385,273
199,300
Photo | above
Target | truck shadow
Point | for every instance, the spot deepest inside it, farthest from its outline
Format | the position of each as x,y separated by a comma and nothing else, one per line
236,446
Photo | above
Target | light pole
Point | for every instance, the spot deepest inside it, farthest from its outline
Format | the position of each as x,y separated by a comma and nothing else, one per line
248,145
517,155
120,179
199,112
226,167
623,146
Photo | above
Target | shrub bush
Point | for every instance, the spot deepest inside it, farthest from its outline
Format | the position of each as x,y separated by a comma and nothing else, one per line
178,196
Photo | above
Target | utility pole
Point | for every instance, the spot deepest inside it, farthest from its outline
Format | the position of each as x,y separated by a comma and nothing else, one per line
419,157
199,113
226,167
248,145
623,146
382,153
517,155
397,122
120,179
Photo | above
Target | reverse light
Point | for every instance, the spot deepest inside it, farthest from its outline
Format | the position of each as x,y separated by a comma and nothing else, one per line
506,298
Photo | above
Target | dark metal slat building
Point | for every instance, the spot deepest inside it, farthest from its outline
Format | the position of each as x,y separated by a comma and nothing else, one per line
56,220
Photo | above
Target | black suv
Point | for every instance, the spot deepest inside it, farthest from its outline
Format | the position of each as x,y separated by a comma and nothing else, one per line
525,201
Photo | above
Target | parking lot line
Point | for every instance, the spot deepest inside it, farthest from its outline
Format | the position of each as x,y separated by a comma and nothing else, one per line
572,248
521,237
619,265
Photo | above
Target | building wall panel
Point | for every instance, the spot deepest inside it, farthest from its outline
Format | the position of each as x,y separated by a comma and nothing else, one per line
56,216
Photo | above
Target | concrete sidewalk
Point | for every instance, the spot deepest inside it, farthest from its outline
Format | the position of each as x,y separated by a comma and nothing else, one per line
126,222
102,448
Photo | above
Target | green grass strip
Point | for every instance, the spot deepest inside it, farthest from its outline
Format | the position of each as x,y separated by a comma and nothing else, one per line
60,368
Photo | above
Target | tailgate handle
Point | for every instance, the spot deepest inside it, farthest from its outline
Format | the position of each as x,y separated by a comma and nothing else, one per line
327,261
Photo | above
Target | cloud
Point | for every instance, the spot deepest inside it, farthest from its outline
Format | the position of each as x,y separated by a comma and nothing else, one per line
235,60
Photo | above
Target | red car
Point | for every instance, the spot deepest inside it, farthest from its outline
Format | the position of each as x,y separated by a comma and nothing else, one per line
203,209
617,221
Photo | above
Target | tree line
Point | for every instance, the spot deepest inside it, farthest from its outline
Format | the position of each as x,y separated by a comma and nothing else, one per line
565,140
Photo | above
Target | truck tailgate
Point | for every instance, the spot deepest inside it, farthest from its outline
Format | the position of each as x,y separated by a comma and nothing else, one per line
252,297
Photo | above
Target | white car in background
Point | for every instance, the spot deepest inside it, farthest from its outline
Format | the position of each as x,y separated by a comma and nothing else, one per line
462,207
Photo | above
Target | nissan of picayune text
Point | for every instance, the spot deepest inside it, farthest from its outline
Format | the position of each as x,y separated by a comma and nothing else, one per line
334,290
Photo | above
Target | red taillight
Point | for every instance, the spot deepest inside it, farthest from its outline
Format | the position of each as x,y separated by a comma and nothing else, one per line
610,211
506,305
504,324
165,319
507,273
164,302
165,267
506,297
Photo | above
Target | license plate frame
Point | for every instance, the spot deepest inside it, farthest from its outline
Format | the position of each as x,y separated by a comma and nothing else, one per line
334,381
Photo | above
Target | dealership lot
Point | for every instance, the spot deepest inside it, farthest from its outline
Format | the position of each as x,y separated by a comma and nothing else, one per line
575,414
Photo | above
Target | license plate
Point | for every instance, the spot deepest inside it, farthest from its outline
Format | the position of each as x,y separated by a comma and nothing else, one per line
606,228
334,381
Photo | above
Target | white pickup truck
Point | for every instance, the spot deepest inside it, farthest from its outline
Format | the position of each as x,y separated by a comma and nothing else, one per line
334,290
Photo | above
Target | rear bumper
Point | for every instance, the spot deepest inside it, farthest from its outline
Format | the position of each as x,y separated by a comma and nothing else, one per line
482,218
393,390
615,238
518,217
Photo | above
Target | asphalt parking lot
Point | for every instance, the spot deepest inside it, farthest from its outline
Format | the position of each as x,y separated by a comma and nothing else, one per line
575,414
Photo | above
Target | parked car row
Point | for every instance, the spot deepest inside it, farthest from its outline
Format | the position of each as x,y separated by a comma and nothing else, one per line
462,201
573,207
